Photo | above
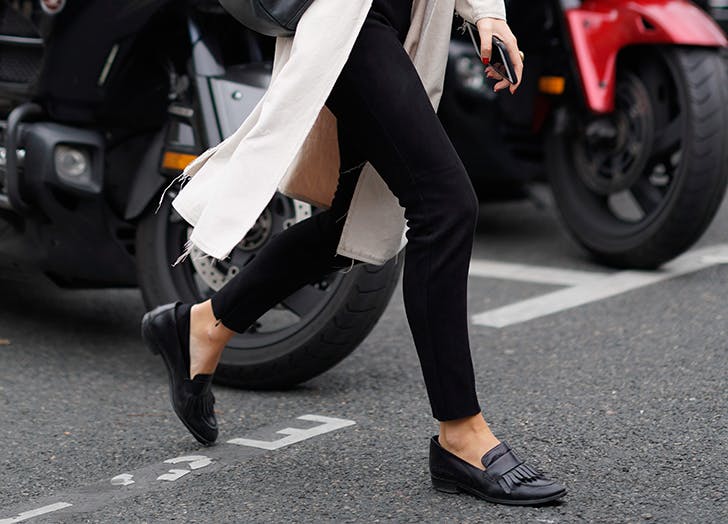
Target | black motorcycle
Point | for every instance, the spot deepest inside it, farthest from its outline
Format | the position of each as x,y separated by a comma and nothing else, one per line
101,104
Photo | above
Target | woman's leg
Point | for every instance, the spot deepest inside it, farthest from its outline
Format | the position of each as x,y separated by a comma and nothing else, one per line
191,337
381,103
383,109
298,255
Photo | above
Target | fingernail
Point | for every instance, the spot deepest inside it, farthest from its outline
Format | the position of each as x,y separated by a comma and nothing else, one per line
486,60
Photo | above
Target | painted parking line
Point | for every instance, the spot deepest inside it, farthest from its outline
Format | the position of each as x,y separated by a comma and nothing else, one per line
535,274
296,434
583,288
26,515
174,471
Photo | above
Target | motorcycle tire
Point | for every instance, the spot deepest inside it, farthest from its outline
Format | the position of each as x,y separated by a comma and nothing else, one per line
683,94
281,358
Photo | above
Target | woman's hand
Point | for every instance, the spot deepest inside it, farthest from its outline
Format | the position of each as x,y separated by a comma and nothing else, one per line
487,27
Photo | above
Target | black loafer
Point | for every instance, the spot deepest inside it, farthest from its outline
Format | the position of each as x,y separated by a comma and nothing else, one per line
165,332
506,479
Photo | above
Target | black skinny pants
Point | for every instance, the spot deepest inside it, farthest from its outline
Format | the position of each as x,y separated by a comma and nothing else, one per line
385,117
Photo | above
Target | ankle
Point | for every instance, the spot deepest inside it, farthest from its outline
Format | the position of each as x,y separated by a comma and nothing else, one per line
465,433
205,328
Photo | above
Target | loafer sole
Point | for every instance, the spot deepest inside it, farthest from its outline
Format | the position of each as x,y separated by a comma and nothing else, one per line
156,348
453,486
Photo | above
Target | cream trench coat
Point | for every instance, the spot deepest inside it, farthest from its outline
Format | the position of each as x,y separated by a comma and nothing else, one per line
289,143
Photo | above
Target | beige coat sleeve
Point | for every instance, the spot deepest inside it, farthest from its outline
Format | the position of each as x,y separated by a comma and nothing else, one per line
474,10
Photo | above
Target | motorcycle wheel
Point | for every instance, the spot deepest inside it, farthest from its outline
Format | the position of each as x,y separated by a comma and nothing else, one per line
306,334
639,187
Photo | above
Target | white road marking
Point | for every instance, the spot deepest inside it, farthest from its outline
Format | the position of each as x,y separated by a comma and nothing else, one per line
295,434
173,474
717,259
195,461
535,274
597,289
100,494
122,480
36,512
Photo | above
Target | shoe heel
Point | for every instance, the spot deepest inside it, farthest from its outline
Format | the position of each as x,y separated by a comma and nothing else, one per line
445,486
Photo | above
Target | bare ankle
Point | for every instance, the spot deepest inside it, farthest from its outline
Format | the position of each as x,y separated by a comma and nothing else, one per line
464,426
461,434
205,328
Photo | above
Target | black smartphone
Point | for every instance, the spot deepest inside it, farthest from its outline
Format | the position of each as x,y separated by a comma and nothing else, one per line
500,60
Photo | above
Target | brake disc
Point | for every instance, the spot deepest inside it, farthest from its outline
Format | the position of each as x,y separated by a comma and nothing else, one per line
610,163
216,273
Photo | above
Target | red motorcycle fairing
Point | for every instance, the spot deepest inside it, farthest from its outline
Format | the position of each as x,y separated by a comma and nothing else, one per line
599,29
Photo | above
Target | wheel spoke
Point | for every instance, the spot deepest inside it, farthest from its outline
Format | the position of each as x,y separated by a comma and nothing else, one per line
304,300
625,207
646,195
667,139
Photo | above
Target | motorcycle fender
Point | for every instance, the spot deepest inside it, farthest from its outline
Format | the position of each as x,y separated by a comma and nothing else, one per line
599,29
148,181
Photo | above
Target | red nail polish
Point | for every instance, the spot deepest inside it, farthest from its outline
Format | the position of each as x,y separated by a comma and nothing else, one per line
486,60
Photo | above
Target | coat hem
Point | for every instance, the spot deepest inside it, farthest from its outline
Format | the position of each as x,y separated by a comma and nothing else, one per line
364,257
195,242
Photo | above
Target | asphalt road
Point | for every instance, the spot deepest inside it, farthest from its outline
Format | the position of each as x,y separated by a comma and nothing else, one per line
623,399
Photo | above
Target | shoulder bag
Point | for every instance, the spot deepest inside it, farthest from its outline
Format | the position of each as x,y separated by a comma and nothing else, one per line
268,17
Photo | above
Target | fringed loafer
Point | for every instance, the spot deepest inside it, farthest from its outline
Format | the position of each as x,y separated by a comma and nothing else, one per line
165,332
506,479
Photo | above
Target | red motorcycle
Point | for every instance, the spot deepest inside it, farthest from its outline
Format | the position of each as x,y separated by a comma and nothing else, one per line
623,108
